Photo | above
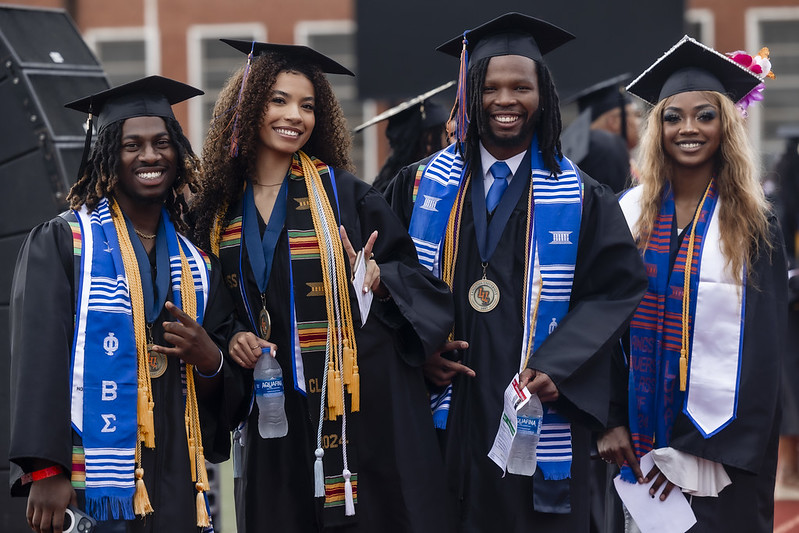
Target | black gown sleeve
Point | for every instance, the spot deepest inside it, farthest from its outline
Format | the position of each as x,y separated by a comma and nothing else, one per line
609,282
219,407
399,193
41,323
420,309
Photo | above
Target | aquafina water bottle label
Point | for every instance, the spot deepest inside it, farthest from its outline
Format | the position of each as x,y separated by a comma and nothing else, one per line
269,387
529,425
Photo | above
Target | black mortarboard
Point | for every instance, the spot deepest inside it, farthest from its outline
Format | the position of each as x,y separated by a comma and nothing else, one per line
510,34
147,97
298,52
431,113
602,96
152,96
691,66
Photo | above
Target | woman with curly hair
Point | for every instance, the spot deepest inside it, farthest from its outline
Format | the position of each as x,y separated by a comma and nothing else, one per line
699,404
279,204
119,326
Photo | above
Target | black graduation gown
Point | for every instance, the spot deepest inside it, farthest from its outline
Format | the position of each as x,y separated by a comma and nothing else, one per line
401,485
747,447
608,160
608,284
42,323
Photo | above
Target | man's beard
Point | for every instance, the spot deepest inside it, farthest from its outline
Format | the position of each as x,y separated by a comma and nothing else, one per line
527,132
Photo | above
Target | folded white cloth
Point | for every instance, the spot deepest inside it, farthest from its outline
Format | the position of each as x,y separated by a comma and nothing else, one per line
694,475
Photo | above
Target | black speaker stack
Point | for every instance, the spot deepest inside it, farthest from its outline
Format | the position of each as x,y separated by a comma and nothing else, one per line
44,63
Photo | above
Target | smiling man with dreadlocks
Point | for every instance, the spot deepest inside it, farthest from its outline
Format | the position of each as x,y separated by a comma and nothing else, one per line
544,273
118,326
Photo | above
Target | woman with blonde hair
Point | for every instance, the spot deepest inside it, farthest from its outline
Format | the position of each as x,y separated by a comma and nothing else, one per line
698,397
281,208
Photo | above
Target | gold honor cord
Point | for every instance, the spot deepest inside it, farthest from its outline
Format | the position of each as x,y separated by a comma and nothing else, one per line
146,431
345,367
194,437
145,404
451,238
686,293
527,245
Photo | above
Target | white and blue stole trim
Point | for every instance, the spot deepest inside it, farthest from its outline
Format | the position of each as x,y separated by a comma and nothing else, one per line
104,363
438,189
553,233
717,328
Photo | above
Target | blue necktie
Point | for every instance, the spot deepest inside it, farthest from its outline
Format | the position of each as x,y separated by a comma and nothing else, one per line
500,170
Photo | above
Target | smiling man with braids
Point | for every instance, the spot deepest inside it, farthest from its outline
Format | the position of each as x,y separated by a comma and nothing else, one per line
118,326
544,273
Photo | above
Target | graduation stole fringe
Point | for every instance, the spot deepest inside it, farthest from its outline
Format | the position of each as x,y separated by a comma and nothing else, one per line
128,299
663,335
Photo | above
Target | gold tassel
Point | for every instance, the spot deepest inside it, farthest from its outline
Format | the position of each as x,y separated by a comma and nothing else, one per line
683,370
331,391
349,360
192,451
141,500
339,405
149,429
203,520
141,409
355,390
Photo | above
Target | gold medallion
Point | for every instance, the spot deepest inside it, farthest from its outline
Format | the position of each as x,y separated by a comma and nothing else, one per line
264,324
483,295
157,362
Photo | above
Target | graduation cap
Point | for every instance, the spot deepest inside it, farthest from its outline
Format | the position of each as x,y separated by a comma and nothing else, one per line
691,66
431,113
297,53
302,54
603,96
510,34
152,96
592,102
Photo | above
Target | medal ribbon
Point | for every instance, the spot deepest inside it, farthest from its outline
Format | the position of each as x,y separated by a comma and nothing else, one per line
260,257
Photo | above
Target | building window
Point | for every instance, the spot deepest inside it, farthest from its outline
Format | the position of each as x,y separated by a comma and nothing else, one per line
122,52
336,39
699,25
211,63
778,29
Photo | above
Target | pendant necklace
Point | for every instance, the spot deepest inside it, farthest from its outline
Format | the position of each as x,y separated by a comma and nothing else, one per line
264,320
484,293
157,362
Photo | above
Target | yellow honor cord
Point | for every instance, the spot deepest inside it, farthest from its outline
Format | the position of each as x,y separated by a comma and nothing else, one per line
145,403
686,294
338,323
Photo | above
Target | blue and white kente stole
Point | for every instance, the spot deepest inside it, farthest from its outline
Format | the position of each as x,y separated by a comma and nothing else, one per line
104,359
555,208
553,233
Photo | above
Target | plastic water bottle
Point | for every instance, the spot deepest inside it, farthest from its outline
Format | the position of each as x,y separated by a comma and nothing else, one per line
522,457
268,378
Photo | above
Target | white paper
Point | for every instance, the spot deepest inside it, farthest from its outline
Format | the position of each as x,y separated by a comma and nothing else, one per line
514,398
364,298
650,514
